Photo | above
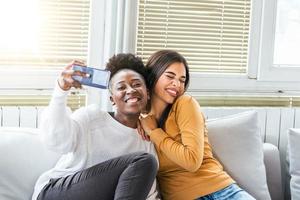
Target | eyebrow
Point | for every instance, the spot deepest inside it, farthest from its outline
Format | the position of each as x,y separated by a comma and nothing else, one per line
172,73
135,79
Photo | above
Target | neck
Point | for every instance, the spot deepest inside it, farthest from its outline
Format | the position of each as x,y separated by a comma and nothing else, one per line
127,120
157,107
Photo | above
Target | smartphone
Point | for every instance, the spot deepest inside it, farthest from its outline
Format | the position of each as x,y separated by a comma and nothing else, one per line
98,78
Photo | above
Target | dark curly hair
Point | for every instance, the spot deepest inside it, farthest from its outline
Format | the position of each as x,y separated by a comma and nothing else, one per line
126,61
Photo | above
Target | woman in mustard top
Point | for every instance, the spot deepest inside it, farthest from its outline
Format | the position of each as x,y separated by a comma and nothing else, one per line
176,125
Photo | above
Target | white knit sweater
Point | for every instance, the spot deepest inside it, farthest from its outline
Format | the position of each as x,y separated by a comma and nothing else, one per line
85,138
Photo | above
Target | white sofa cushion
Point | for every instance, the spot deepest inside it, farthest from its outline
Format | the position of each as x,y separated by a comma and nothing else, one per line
23,159
294,159
237,144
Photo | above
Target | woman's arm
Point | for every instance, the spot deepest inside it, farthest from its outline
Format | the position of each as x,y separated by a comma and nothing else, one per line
188,152
60,131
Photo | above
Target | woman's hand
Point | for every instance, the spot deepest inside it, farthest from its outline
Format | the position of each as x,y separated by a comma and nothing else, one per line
148,123
65,80
142,132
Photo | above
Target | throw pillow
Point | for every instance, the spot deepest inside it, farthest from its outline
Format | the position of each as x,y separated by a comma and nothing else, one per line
23,159
294,158
237,144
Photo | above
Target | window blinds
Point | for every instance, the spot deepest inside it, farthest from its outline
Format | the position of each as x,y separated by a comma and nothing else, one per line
211,34
75,100
61,35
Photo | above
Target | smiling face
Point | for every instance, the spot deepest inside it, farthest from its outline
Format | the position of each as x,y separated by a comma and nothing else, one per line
170,84
128,92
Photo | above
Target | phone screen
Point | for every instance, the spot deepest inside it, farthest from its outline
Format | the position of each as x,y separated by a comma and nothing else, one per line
98,78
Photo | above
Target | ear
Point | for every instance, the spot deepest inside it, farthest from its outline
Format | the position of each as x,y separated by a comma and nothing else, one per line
112,101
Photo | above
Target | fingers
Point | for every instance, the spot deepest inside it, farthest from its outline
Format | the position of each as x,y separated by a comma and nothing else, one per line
71,72
79,62
70,82
148,123
144,135
146,116
141,132
66,80
67,72
147,137
143,115
75,62
77,85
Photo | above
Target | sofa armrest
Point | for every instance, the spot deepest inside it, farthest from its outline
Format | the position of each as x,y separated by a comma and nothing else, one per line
24,158
273,171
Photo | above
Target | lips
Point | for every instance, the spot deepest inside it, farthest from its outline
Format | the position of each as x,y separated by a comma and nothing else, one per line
173,92
132,99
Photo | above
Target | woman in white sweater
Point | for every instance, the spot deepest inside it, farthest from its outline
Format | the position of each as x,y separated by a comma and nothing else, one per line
94,142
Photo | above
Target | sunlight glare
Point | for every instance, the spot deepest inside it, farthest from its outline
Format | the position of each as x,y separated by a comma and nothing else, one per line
19,25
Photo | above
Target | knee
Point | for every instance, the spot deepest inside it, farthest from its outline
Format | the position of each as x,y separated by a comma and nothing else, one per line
148,161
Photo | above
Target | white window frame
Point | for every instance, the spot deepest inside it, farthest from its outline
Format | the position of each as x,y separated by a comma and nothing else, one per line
35,81
112,31
269,71
262,78
30,80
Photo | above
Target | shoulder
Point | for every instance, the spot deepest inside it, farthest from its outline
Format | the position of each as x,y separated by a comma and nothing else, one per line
186,101
91,112
94,111
186,104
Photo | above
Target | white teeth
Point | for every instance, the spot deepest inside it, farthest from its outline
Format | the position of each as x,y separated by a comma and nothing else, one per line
132,100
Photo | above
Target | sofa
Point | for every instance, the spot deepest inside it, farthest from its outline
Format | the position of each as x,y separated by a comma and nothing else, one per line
235,139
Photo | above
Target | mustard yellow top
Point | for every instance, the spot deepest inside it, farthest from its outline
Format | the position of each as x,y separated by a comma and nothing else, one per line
187,168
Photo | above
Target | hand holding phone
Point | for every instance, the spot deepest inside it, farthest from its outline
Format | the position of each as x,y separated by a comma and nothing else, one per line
93,77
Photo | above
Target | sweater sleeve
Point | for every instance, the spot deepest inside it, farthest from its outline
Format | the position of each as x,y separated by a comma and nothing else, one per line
60,131
188,152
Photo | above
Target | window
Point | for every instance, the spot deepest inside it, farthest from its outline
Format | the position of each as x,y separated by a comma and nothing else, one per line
228,44
287,40
212,35
279,41
39,37
75,100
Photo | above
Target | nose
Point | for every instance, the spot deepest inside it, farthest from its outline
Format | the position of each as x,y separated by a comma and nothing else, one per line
130,90
176,82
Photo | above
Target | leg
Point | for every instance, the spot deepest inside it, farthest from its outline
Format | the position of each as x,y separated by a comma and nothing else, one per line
126,177
136,180
232,192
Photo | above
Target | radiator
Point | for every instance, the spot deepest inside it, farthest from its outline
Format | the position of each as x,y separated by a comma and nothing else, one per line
273,121
24,116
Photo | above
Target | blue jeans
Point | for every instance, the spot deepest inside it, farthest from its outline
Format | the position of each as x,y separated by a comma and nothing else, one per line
232,192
